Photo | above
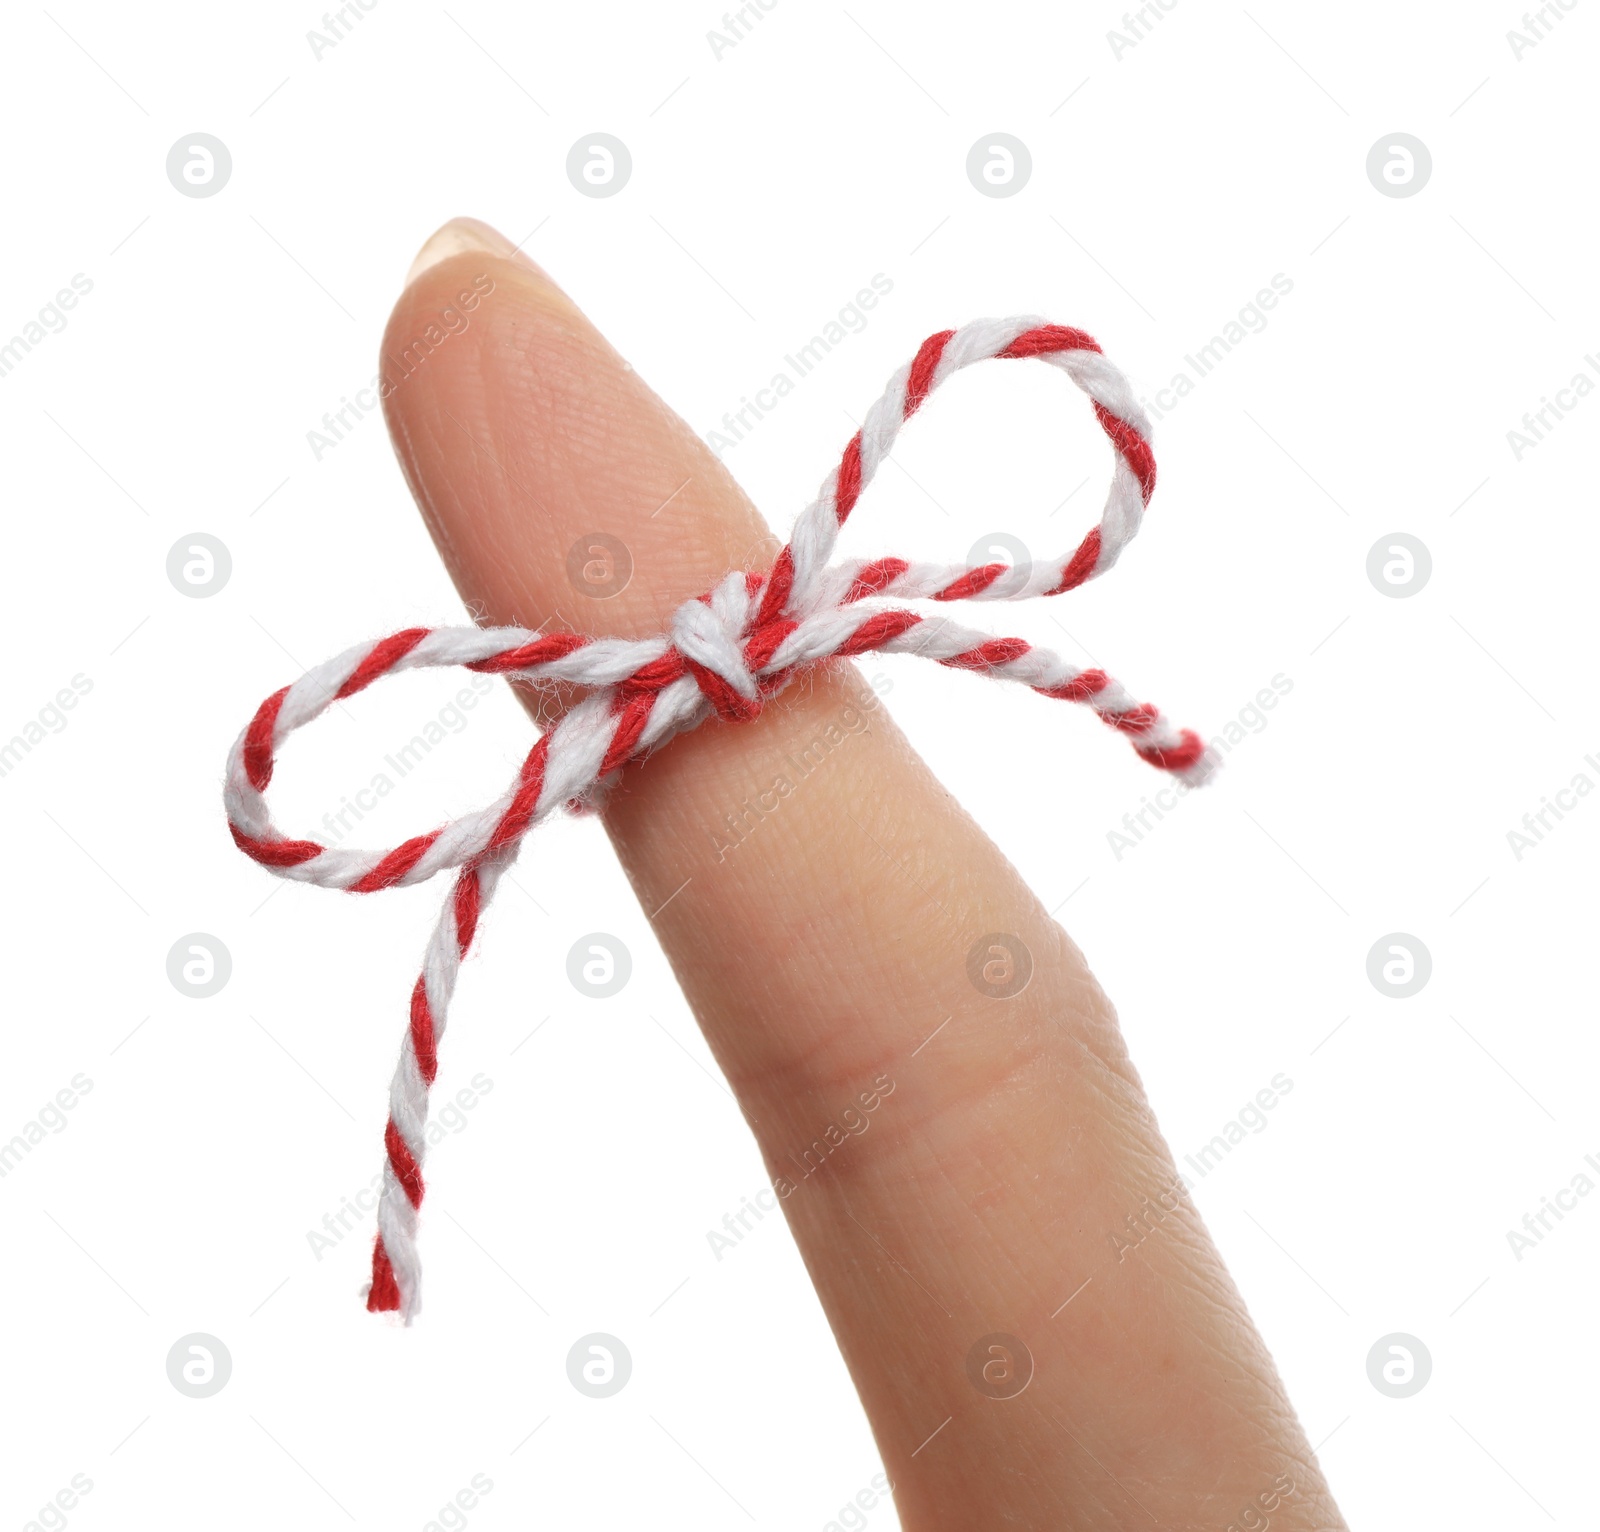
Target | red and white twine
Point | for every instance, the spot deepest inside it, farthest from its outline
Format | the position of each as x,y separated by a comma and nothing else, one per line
725,654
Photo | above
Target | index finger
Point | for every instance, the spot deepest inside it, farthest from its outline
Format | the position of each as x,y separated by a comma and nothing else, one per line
828,964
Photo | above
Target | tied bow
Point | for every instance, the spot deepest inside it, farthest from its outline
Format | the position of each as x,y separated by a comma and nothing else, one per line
726,653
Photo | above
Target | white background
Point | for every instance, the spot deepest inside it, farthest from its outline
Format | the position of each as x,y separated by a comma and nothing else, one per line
1169,184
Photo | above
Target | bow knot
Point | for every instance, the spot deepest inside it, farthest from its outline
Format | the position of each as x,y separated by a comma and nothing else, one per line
725,653
712,634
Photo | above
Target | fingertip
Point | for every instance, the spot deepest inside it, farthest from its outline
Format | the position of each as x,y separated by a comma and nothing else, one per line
467,236
529,442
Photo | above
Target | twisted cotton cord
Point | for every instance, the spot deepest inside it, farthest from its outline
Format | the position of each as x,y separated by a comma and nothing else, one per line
726,653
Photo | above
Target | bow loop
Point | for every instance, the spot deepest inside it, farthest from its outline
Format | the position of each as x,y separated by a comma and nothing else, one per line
817,584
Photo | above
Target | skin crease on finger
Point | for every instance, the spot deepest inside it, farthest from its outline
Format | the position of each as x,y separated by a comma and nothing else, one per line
825,952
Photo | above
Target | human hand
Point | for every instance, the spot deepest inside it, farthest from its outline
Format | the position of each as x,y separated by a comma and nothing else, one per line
1018,1140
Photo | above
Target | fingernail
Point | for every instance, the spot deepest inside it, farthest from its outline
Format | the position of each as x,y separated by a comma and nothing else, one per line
467,236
